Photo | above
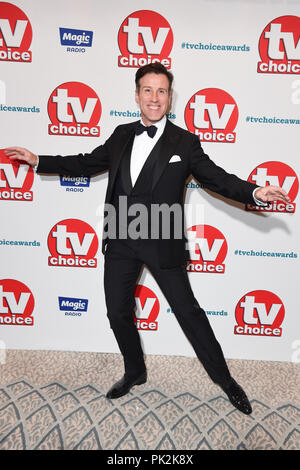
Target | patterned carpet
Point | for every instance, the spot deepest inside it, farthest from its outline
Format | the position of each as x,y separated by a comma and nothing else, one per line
56,400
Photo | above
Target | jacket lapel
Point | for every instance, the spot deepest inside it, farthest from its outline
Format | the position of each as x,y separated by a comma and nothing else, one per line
124,142
167,148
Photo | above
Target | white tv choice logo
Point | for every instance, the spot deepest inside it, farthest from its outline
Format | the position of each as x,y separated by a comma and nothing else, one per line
259,313
212,114
15,34
16,179
279,46
147,309
74,109
145,37
16,303
73,243
275,173
207,248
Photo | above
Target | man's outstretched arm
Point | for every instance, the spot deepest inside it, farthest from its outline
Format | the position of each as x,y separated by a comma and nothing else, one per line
217,179
72,165
87,164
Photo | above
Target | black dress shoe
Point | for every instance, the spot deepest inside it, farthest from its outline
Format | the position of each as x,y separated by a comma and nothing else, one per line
124,385
238,397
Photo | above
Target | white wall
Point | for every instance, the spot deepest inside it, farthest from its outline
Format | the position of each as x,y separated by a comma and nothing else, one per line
213,46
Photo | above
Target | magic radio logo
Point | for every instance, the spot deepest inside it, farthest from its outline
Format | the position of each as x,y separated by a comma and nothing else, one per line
16,179
76,40
15,34
147,308
279,46
16,303
72,306
74,109
73,243
75,183
275,174
212,114
259,313
145,37
207,249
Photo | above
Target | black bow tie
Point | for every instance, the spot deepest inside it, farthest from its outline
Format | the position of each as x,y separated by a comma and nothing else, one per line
151,130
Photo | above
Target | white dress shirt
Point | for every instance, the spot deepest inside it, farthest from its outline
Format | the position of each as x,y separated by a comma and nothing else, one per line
142,146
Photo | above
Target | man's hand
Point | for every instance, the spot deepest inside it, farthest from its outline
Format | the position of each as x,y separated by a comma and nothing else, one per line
18,153
271,193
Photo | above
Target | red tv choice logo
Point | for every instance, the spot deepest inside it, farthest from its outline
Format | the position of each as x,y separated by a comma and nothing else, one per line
207,248
74,109
16,179
147,308
279,46
275,174
16,303
145,37
72,243
259,313
212,114
15,34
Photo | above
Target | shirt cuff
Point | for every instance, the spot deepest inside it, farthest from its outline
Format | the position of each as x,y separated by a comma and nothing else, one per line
257,201
35,166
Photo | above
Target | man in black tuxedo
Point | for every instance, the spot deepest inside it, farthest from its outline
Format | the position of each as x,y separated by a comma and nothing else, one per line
148,163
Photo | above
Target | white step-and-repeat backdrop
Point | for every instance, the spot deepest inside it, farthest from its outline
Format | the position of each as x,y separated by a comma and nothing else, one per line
66,81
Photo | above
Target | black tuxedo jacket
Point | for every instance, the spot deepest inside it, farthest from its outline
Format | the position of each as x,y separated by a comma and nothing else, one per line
168,179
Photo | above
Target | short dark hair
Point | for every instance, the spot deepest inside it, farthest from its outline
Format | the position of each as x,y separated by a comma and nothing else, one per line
155,67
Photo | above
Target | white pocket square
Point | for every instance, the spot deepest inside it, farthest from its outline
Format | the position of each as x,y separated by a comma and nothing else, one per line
175,158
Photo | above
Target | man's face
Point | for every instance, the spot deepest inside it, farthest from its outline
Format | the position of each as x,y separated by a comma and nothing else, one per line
153,97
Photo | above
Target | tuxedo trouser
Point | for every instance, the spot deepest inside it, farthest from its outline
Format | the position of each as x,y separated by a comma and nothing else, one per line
124,260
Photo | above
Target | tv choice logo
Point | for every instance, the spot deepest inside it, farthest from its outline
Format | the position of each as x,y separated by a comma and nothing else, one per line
207,249
15,34
279,46
72,243
73,306
75,38
75,183
275,173
16,303
259,313
16,180
147,308
74,109
212,114
145,37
